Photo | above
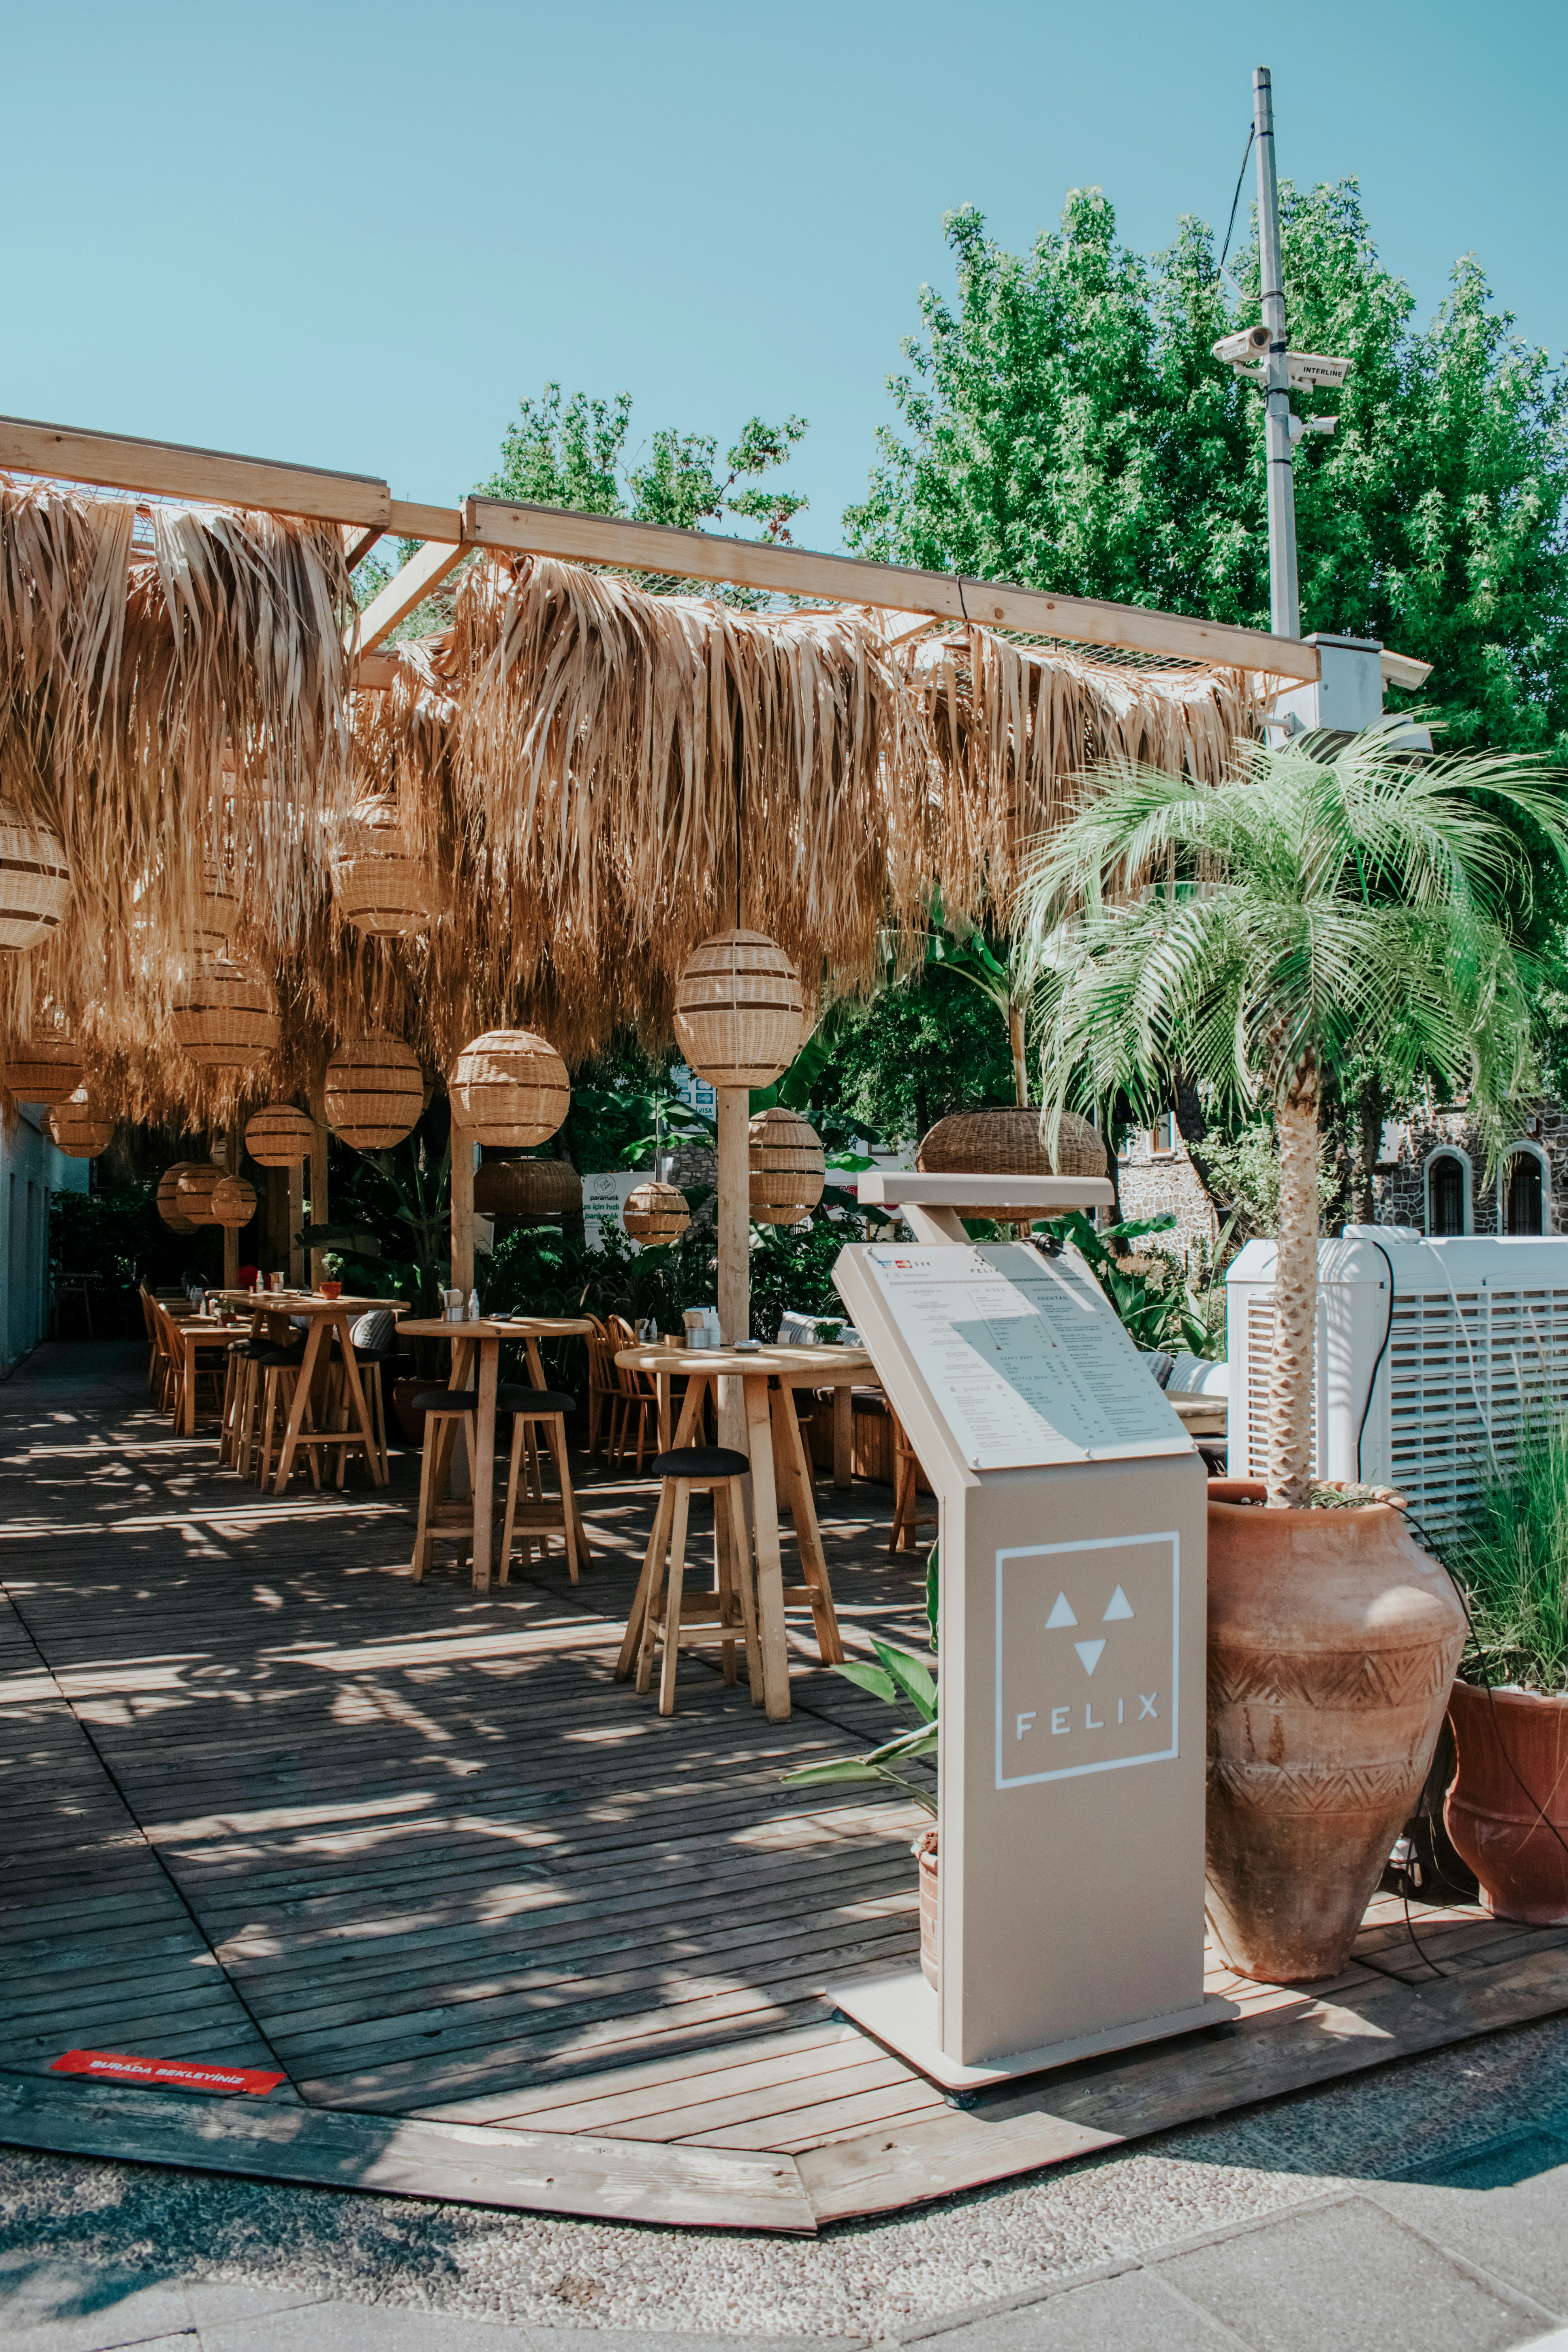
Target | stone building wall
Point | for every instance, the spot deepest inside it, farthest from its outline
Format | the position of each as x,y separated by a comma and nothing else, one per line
1153,1175
1400,1187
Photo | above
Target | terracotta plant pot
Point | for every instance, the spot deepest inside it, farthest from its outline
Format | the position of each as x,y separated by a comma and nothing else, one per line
1331,1648
1497,1826
924,1852
410,1422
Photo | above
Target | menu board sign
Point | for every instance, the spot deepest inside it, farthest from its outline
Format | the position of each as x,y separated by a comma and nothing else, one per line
1023,1355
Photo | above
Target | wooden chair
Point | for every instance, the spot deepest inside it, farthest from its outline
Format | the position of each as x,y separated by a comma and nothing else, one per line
908,1516
603,1384
150,1325
637,1394
726,1614
178,1367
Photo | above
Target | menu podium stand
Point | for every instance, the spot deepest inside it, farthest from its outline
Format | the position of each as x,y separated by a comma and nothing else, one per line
1071,1755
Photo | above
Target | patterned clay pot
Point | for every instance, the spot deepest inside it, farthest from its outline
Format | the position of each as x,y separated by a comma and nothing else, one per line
1513,1836
1331,1648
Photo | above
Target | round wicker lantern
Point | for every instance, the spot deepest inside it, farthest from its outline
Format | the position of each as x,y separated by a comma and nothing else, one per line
1005,1141
280,1136
199,1180
233,1202
788,1170
77,1130
168,1203
510,1088
46,1069
740,1016
528,1188
225,1016
374,1091
35,879
656,1213
381,887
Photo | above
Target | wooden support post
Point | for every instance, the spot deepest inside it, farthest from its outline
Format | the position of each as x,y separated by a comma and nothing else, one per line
462,1209
295,1178
733,1213
229,1155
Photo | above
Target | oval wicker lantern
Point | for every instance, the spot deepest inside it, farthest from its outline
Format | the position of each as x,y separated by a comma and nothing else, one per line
374,1090
528,1188
225,1016
168,1203
381,887
788,1170
46,1069
510,1088
656,1213
280,1136
740,1016
77,1130
1005,1141
199,1180
218,912
233,1202
35,879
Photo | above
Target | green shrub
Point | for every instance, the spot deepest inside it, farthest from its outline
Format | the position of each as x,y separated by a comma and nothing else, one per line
1512,1556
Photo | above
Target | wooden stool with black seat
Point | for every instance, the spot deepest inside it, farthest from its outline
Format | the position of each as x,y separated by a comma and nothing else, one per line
446,1519
278,1370
661,1610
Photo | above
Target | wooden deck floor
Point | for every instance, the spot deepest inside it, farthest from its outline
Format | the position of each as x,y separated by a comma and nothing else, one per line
268,1802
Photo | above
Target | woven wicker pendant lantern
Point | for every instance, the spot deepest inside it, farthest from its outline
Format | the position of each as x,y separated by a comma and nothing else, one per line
381,887
373,1092
76,1127
199,1180
740,1016
1005,1141
218,909
168,1202
509,1090
233,1202
656,1213
280,1136
528,1188
788,1170
225,1016
46,1069
35,879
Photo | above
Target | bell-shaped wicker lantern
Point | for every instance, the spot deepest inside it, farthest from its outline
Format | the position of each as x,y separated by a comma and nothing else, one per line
168,1203
34,881
233,1202
740,1016
374,1091
788,1170
280,1136
382,887
218,909
1006,1141
533,1189
77,1128
510,1088
199,1180
656,1213
225,1016
46,1069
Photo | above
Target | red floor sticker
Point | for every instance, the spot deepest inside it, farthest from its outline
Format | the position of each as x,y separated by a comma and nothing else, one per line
181,2074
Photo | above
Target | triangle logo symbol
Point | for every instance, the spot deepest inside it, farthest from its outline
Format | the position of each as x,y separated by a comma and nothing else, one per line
1089,1653
1119,1606
1060,1615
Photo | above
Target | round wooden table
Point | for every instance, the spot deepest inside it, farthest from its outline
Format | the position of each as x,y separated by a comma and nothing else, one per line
487,1334
773,1434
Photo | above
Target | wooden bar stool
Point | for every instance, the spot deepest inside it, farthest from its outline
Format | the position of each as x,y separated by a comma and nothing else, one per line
527,1508
908,1516
279,1368
725,1613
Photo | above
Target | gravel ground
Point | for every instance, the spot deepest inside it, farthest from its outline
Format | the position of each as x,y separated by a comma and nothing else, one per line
868,2279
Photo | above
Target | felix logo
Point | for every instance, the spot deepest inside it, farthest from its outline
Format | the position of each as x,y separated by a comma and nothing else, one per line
1094,1665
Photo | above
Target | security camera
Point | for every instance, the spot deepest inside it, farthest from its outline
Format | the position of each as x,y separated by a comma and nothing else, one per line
1245,349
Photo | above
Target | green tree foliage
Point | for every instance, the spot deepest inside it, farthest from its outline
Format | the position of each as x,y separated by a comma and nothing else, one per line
921,1049
1064,425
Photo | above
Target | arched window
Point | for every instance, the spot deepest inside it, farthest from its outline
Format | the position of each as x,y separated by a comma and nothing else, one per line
1447,1193
1524,1190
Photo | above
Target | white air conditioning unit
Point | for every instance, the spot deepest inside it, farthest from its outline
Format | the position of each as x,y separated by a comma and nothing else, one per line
1429,1356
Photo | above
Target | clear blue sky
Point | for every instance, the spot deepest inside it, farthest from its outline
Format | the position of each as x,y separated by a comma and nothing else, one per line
353,235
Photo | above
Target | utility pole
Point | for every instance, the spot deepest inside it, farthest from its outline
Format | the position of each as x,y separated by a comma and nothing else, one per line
1284,593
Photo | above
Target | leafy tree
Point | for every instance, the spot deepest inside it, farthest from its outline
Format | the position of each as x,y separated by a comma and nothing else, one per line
921,1049
1064,424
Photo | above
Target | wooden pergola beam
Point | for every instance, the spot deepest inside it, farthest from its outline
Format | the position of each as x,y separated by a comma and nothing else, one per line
406,591
165,469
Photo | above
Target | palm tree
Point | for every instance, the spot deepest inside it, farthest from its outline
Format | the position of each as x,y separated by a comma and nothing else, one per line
1322,904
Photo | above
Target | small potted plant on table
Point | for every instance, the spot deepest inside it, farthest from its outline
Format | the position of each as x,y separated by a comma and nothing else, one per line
1323,905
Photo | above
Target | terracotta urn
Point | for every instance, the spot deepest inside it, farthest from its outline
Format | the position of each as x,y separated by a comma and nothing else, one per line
1333,1643
924,1850
1507,1808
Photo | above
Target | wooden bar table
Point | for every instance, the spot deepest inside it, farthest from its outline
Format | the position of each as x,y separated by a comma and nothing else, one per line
325,1316
769,1423
192,1333
485,1335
